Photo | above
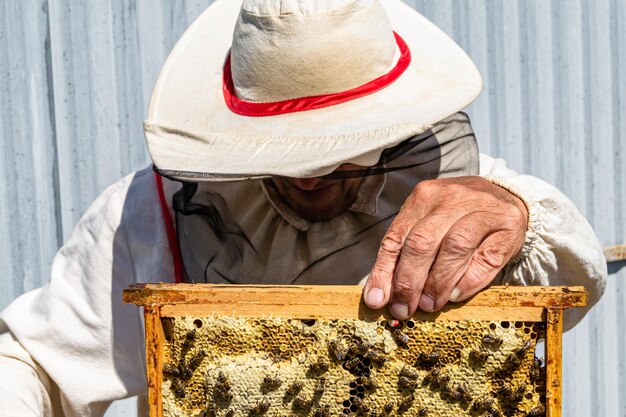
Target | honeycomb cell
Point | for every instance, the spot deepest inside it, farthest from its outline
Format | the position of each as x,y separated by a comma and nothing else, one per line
236,362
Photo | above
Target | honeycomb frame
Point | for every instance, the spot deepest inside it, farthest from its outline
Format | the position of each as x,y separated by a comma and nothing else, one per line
218,333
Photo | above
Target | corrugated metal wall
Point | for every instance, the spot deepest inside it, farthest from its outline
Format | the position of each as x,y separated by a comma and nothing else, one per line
75,79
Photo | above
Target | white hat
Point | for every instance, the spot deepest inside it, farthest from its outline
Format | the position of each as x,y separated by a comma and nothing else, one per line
302,87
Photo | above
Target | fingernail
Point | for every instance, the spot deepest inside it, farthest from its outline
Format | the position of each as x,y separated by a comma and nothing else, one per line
375,297
427,303
454,295
400,311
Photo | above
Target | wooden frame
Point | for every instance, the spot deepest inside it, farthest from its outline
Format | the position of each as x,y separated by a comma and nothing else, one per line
530,304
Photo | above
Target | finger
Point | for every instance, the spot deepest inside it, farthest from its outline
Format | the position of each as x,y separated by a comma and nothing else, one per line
453,259
377,290
488,260
416,257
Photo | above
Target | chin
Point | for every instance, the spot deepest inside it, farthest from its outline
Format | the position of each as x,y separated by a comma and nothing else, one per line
319,214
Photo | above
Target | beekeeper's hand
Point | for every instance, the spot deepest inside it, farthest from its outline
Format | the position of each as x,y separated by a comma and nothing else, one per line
450,239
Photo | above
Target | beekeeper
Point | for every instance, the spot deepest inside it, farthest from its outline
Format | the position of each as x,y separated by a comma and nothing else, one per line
320,143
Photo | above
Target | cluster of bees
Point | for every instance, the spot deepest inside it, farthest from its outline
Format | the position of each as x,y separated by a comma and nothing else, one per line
183,370
359,359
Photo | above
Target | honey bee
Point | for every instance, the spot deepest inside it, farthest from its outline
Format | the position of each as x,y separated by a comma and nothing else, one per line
358,348
402,339
189,338
492,340
537,411
222,387
389,407
185,371
461,393
320,366
519,392
514,395
261,408
367,383
222,383
406,403
178,388
478,355
222,379
376,356
358,403
422,412
352,363
171,369
295,388
534,374
208,412
320,387
432,376
323,411
337,351
301,403
230,413
409,373
441,381
405,382
482,404
427,360
272,381
222,393
512,361
196,359
521,351
374,413
506,391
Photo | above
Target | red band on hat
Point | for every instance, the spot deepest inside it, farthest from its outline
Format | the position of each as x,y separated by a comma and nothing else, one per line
258,109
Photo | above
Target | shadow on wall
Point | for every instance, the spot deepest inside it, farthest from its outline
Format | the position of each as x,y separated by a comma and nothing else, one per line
616,267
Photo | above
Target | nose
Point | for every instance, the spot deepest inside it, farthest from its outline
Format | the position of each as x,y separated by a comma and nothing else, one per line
306,184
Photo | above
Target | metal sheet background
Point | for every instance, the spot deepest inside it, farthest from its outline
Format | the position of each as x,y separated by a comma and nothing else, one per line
75,79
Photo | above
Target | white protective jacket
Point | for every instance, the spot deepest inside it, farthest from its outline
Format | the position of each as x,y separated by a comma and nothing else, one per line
72,347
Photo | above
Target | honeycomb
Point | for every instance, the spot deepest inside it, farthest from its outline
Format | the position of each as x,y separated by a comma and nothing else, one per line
243,367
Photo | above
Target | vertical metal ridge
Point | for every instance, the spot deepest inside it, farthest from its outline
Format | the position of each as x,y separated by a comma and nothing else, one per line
558,101
524,61
595,397
494,70
617,32
52,115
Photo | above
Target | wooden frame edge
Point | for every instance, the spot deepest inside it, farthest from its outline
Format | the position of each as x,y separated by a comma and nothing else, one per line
338,295
154,359
361,312
553,356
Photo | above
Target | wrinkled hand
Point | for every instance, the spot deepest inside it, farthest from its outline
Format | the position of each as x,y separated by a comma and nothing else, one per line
450,239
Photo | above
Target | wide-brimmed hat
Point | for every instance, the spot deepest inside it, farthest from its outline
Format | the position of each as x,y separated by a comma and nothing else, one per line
298,87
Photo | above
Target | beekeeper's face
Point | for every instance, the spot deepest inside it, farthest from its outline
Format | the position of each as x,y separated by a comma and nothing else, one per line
318,199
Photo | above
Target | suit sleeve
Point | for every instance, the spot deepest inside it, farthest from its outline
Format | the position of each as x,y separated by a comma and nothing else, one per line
560,247
71,347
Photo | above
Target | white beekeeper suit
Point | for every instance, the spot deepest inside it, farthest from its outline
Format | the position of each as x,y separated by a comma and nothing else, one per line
72,347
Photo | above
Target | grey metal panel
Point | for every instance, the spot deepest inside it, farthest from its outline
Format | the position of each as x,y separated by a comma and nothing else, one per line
75,82
28,207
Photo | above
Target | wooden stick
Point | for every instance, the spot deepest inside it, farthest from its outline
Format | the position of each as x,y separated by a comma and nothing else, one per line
615,253
337,295
553,354
154,359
